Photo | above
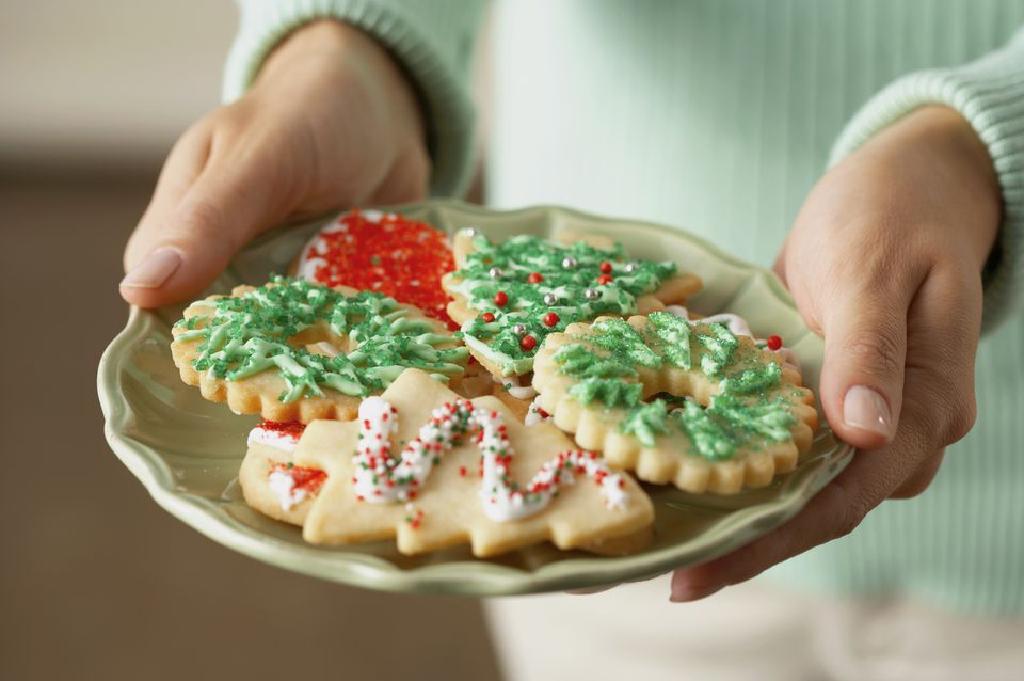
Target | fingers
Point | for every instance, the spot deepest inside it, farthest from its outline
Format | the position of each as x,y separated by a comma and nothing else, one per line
919,481
204,209
865,352
937,409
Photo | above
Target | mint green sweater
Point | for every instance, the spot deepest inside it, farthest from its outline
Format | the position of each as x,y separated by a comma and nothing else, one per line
719,115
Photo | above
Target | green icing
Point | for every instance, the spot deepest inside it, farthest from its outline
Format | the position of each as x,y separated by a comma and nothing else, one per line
756,379
249,334
719,347
716,432
646,421
673,335
610,391
623,342
579,361
606,361
515,259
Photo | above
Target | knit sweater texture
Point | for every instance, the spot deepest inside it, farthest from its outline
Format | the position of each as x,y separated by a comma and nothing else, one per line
718,116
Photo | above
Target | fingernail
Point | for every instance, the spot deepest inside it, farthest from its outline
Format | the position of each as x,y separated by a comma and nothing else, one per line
865,409
155,269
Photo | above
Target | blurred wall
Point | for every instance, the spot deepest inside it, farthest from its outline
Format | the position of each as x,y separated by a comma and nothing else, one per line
116,80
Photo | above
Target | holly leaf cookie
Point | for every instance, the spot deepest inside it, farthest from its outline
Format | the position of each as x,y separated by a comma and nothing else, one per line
432,469
683,402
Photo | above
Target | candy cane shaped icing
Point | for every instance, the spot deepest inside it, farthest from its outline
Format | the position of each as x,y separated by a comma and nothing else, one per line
380,478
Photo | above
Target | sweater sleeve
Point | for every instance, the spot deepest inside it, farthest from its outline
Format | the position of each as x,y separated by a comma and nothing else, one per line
432,39
989,94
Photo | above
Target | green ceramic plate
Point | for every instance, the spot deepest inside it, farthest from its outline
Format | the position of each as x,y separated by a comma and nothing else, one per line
186,451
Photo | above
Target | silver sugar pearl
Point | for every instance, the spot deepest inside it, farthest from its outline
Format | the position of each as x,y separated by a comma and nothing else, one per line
592,294
519,329
568,262
550,299
470,231
631,267
495,272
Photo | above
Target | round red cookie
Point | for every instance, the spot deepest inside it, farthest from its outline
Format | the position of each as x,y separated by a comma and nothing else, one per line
383,252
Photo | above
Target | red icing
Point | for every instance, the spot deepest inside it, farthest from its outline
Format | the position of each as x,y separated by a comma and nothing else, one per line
292,429
303,477
398,257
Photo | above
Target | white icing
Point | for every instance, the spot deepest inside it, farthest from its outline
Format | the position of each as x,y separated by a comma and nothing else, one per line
372,215
535,414
515,389
283,486
739,326
272,438
375,472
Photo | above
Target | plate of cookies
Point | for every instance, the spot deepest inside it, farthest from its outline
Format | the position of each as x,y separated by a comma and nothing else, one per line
443,398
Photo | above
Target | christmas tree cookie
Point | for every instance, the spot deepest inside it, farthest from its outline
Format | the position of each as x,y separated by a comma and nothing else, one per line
431,469
509,296
683,402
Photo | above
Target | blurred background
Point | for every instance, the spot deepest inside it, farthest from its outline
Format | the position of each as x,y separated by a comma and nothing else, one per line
96,581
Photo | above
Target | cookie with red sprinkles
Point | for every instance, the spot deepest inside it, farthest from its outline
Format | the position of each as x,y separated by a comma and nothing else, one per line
383,252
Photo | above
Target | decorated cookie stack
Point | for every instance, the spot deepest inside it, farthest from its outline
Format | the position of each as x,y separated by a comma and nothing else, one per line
376,427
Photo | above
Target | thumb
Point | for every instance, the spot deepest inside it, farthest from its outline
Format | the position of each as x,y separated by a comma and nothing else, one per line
184,242
862,374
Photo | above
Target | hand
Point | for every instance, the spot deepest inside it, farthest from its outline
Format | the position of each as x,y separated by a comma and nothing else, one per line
884,261
329,122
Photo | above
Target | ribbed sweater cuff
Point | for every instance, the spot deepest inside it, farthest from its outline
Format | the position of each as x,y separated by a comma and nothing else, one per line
423,37
989,94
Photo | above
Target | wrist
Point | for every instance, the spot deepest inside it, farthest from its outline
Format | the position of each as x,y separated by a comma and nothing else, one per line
349,58
951,150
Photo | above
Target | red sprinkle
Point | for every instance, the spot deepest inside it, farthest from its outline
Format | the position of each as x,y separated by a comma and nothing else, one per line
397,256
535,278
487,317
500,298
606,267
528,343
292,429
550,319
303,477
604,279
774,342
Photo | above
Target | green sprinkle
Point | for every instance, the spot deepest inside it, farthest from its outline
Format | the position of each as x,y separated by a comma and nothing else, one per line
249,334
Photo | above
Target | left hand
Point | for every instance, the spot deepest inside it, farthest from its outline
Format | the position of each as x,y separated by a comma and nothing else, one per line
884,261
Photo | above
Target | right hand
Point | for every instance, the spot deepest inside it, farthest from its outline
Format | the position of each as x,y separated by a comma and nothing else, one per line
330,122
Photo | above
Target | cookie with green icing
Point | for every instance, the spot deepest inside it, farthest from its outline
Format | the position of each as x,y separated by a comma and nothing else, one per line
291,350
510,296
677,401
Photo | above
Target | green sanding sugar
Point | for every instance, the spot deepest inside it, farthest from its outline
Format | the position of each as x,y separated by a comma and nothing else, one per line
250,333
606,361
577,282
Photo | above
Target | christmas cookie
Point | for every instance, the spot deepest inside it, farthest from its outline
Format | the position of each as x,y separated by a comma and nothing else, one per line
509,296
271,482
295,351
684,402
383,252
432,469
